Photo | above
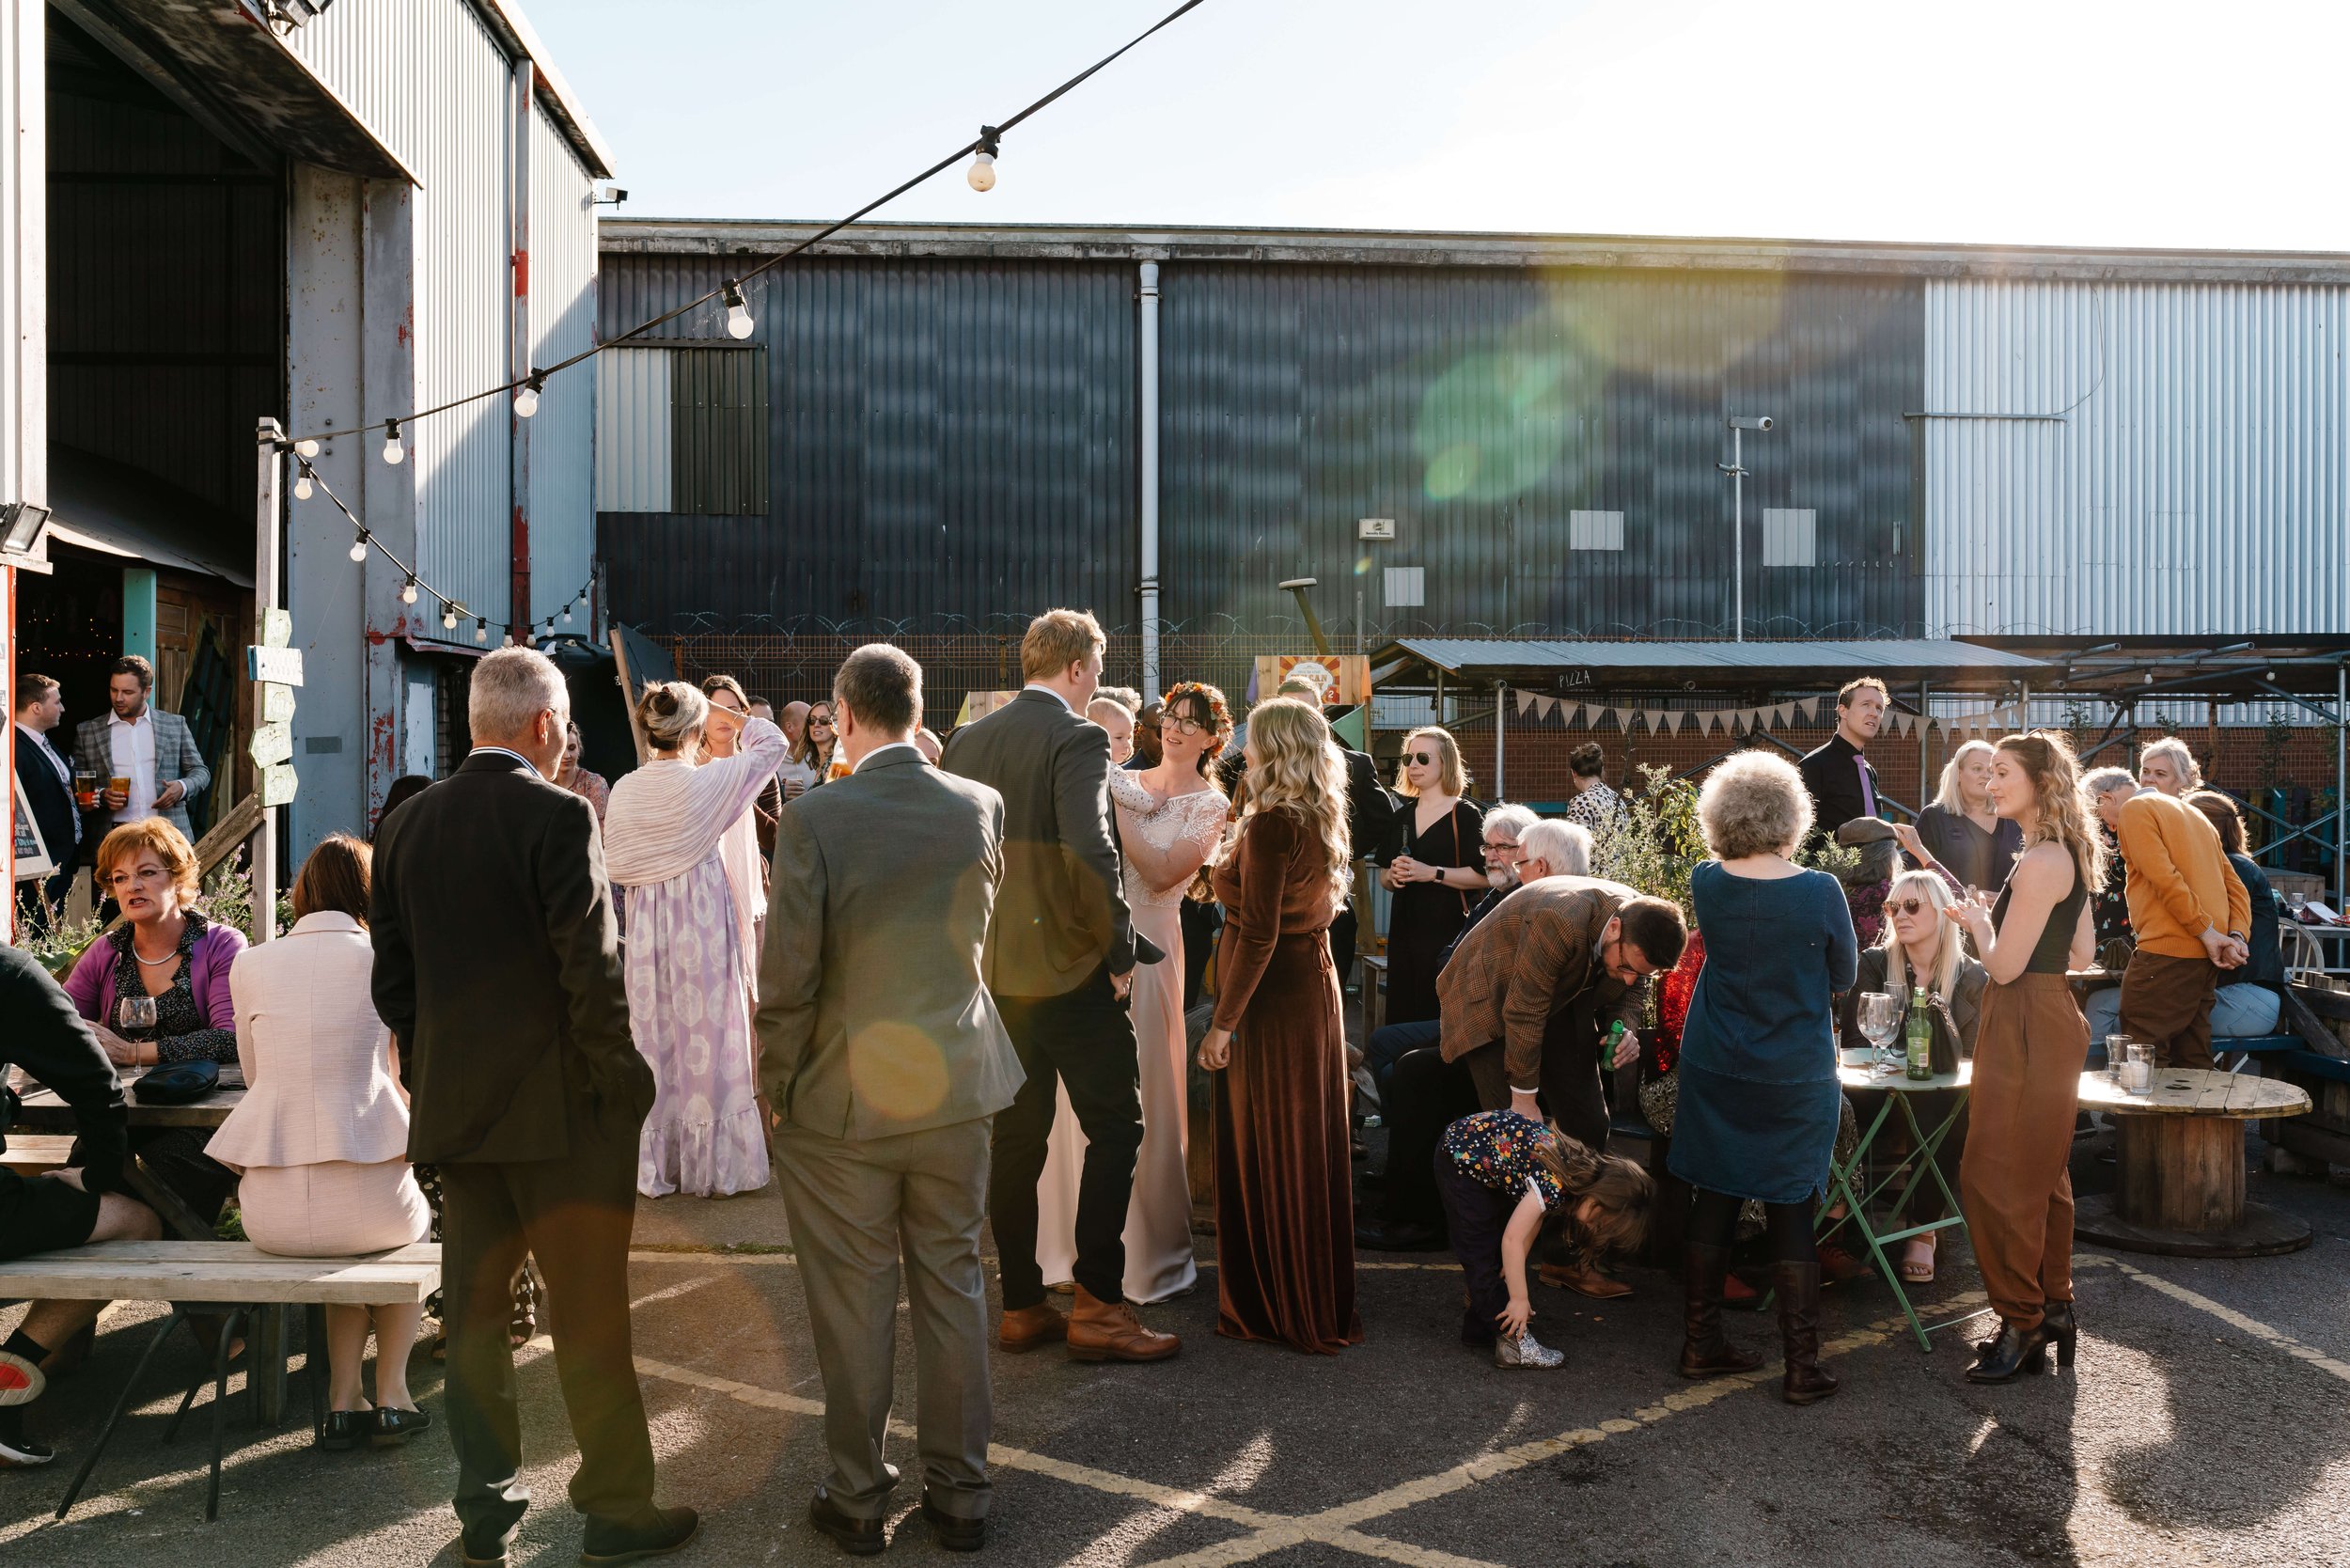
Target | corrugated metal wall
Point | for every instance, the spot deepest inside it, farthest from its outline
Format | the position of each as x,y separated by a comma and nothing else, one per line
1481,407
946,438
632,429
2201,487
562,323
22,205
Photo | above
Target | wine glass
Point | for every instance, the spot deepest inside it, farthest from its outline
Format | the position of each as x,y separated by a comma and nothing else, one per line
2298,902
1881,1021
135,1015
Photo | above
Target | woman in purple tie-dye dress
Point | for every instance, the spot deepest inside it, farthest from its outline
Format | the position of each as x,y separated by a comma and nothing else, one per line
692,959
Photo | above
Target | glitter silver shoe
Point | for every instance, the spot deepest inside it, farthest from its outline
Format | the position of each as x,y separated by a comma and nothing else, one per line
1526,1351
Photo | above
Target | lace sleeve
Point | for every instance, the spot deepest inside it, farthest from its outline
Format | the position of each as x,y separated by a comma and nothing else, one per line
1206,824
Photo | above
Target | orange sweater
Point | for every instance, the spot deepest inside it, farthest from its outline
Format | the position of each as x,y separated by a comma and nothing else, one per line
2180,882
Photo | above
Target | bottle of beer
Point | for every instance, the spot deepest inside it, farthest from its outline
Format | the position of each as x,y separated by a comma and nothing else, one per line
1919,1036
1608,1046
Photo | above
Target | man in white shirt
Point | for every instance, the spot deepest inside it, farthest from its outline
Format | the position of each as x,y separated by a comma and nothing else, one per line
137,742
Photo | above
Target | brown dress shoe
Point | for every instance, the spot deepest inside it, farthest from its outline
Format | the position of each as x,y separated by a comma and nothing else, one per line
1111,1331
1026,1327
1583,1281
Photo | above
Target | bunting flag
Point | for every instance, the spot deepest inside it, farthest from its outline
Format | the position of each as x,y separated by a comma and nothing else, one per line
1707,717
1549,706
1526,700
1622,718
1906,722
1674,719
1803,706
1779,715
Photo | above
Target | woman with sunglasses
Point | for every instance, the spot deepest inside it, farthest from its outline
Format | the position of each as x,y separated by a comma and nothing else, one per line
1924,946
814,752
1436,876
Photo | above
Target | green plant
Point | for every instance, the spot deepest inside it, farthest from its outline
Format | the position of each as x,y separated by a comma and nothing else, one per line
1654,843
56,949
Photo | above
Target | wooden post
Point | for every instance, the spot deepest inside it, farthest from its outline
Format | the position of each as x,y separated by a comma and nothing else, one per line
268,570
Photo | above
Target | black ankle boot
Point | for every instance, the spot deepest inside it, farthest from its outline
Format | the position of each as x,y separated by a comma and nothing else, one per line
2014,1354
1798,1287
1703,1351
2057,1317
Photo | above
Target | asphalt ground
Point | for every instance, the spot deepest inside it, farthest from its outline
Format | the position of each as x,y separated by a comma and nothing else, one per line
2207,1422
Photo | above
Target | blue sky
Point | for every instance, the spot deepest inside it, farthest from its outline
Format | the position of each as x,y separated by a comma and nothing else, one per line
2054,123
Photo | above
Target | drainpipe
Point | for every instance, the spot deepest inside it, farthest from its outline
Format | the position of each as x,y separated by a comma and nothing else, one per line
1150,399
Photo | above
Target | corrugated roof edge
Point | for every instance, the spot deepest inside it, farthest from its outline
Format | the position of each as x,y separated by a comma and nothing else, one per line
515,34
1927,656
1094,242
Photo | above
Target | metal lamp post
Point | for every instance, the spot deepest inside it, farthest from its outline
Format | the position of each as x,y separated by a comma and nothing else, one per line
1736,469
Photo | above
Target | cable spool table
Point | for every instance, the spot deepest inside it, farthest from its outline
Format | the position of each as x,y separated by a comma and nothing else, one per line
2181,1152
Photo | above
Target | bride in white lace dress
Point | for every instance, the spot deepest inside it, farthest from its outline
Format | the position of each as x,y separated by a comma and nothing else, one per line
1170,820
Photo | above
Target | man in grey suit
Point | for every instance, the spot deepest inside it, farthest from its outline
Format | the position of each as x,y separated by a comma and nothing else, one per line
139,742
883,1064
1060,964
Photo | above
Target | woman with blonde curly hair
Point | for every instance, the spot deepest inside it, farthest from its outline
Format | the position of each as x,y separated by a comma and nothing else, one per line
2030,1049
1436,876
1285,1212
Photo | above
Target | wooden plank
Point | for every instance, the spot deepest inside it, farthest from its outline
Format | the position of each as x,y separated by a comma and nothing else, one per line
32,1154
2206,1094
243,819
222,1271
2304,1015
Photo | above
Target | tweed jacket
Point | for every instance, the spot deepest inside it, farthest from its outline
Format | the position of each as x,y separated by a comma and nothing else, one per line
176,761
1530,959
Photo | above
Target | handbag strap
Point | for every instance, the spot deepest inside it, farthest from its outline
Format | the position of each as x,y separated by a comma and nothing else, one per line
1455,816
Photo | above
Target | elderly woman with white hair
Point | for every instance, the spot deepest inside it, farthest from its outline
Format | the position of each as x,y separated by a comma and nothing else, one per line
691,954
2167,764
1924,949
1758,1099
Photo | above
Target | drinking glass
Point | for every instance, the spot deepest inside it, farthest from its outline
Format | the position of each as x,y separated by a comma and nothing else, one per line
2116,1052
135,1014
2138,1071
1881,1021
84,789
2298,902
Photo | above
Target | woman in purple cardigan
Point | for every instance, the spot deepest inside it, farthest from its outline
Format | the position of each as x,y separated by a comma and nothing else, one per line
165,950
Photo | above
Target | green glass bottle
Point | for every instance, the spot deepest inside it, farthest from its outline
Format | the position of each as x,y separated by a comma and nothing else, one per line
1919,1037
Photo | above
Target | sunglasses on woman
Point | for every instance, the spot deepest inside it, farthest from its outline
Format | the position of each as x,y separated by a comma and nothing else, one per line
1423,758
1908,907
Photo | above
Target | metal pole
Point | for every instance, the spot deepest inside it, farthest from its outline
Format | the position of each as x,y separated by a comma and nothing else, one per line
1925,741
1148,373
268,587
1501,709
1737,534
2342,778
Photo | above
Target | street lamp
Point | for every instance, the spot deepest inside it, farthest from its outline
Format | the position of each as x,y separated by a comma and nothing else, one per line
1298,585
1736,469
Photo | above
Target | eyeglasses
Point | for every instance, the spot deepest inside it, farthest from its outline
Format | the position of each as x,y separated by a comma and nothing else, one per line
1183,726
1423,758
1495,847
816,723
1908,907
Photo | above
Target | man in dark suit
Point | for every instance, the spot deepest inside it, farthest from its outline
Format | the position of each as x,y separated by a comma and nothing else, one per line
1061,963
497,968
1841,782
47,781
883,1062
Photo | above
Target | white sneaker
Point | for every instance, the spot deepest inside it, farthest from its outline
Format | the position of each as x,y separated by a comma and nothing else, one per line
1526,1351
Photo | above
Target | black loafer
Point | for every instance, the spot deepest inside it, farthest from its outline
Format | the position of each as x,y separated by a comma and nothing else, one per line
857,1537
953,1531
394,1427
345,1429
662,1530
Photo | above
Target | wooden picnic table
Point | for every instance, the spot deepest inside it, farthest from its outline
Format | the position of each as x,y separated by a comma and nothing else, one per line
43,1112
2181,1153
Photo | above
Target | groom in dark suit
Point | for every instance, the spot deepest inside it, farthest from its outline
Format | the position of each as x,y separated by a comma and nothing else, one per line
885,1063
497,967
1061,963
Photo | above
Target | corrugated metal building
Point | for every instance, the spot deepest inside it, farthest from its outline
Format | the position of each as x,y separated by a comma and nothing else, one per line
951,432
373,210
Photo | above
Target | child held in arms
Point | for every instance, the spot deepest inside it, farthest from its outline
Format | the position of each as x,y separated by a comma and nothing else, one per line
1500,1175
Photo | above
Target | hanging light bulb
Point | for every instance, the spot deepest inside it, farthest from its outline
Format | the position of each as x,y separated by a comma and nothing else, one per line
301,484
359,548
408,591
982,171
307,447
526,401
481,629
739,322
567,616
393,451
448,616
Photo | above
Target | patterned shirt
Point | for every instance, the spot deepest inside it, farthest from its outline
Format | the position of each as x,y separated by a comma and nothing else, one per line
1497,1149
1599,808
183,1028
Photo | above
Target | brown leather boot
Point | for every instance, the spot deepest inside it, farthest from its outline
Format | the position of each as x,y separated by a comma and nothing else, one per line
1798,1287
1582,1280
1026,1327
1703,1351
1110,1331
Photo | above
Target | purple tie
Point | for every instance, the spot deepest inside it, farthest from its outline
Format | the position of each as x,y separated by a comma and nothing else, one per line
1867,794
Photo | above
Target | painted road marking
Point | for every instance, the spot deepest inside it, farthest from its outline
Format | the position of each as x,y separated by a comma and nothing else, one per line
2226,1314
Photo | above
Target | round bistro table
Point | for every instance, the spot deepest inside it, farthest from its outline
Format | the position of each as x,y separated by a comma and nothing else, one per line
2181,1153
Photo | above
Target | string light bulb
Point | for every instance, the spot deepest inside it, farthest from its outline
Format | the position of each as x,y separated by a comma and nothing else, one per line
301,483
359,548
448,617
981,174
481,629
408,591
526,401
567,615
394,453
739,322
307,447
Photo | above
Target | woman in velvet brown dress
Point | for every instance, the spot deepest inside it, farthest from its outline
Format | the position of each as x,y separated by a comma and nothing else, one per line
1285,1213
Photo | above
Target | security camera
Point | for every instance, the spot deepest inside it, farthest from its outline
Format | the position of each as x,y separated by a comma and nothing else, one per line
1751,422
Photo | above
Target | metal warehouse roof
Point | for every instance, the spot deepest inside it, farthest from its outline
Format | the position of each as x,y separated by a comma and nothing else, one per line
1949,665
1410,248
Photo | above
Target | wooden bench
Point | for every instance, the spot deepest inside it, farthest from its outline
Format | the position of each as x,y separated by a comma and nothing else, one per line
233,1279
36,1154
2325,1134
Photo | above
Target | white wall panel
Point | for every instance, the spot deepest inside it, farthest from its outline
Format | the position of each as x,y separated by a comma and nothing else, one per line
2197,486
633,437
562,323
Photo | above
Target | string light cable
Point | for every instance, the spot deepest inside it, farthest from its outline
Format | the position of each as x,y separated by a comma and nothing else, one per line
982,150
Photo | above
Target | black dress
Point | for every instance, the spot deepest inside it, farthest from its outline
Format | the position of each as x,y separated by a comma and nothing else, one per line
1425,917
1977,859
